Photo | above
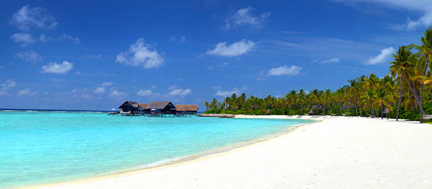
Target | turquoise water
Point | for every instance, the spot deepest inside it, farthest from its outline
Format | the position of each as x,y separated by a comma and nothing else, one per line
44,147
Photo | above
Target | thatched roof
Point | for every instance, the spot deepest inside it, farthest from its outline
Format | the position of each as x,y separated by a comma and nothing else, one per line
143,106
159,104
268,111
387,110
130,103
186,107
311,112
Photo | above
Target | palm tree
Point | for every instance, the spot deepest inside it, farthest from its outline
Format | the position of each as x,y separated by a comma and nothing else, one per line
293,98
214,103
425,60
329,99
301,99
352,91
396,68
241,100
368,99
207,105
228,101
383,98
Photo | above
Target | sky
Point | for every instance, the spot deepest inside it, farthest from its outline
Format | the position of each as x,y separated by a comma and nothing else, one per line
94,55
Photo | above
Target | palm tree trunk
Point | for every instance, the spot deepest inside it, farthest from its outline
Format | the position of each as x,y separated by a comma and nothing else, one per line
324,110
348,105
301,109
411,101
382,115
371,111
400,95
417,107
414,91
290,109
355,105
421,97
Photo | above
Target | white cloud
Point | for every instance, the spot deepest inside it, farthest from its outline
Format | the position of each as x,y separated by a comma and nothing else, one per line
87,96
179,92
217,87
95,56
423,7
27,17
235,49
99,90
331,60
23,38
78,90
45,38
76,40
236,90
223,65
284,70
107,84
95,74
173,87
244,17
26,92
140,54
181,39
116,93
220,66
53,67
382,57
147,92
10,83
210,2
29,56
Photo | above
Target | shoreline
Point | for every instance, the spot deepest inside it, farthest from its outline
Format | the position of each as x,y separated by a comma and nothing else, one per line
194,157
338,152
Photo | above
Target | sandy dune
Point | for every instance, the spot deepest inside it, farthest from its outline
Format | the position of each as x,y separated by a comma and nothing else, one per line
338,152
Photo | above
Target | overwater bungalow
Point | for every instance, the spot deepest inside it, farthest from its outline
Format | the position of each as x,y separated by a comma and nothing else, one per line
161,107
130,107
186,109
143,106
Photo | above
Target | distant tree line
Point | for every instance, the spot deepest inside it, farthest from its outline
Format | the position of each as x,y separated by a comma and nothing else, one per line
405,93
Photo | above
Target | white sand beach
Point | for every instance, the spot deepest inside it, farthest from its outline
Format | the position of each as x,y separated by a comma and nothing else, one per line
338,152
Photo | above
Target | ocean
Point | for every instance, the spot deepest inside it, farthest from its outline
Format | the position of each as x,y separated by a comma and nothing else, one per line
40,147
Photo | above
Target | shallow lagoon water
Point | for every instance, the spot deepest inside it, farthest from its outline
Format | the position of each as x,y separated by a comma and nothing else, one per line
45,147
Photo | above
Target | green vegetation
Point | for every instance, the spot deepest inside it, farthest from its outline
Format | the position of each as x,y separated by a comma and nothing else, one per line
403,94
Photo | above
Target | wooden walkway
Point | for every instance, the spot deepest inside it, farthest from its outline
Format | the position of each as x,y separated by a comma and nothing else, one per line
151,115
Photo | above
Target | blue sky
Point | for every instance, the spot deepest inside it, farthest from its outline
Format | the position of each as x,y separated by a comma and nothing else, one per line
96,54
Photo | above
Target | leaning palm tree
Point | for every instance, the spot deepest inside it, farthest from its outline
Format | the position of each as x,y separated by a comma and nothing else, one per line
425,60
409,71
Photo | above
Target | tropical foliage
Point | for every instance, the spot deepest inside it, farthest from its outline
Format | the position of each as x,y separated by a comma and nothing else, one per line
405,93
